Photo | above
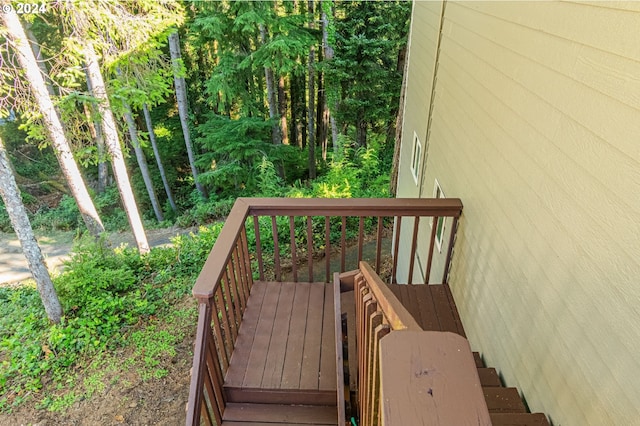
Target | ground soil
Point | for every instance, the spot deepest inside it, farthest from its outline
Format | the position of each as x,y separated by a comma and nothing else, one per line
126,400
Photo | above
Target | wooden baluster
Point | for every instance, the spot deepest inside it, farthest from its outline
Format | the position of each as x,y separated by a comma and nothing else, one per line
447,263
370,308
310,248
245,267
374,320
196,392
396,248
380,331
256,228
412,255
276,248
343,246
237,278
223,319
215,388
294,258
235,315
432,241
327,248
360,237
378,244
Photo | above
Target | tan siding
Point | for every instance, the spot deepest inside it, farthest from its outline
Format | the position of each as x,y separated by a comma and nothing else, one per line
425,28
536,126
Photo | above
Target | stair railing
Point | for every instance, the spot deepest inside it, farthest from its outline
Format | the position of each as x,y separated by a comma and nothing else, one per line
292,230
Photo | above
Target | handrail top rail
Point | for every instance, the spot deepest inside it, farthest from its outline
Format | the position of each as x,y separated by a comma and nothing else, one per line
397,315
216,262
214,266
450,207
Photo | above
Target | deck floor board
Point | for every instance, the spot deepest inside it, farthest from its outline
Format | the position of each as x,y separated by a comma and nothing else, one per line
286,344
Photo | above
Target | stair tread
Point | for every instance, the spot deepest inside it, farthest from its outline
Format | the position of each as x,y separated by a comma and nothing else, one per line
503,400
279,414
489,377
519,419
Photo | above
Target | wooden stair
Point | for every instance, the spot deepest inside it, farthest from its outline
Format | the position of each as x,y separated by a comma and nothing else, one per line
237,414
433,307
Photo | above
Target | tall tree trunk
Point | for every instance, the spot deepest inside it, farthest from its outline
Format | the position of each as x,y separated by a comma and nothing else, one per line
321,117
295,134
282,110
96,133
20,222
181,97
18,40
311,93
269,78
154,145
142,162
113,145
330,104
35,46
361,130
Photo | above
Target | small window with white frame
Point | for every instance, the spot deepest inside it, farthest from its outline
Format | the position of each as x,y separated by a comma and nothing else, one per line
437,193
416,158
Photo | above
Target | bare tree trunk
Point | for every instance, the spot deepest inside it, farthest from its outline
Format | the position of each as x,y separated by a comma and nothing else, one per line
113,145
322,123
18,40
282,110
20,222
181,97
328,55
154,145
142,163
311,92
276,136
361,130
96,133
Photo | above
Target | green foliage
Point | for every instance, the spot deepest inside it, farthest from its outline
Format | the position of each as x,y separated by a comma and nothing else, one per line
104,293
234,148
65,216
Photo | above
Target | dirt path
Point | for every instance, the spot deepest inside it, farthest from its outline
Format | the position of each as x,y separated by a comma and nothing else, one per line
57,246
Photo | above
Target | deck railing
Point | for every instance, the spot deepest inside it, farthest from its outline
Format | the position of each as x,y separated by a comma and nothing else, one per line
378,312
271,239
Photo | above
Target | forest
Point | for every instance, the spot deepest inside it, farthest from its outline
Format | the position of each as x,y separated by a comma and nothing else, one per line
133,115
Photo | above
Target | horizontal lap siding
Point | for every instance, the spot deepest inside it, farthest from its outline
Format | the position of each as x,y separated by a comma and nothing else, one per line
536,126
425,28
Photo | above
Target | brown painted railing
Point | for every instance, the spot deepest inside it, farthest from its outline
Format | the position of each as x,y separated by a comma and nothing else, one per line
378,312
268,239
423,377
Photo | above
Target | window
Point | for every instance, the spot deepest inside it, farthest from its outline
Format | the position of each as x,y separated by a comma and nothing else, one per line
437,193
416,158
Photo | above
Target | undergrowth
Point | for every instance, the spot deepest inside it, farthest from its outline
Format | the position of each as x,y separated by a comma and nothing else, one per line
112,299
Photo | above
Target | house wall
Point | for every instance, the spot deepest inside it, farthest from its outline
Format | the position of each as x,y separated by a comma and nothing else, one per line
536,127
423,46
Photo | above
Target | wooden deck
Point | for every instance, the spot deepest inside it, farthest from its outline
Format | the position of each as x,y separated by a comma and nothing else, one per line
285,352
432,306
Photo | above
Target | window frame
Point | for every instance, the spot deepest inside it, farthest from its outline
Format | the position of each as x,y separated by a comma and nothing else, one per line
416,158
441,225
